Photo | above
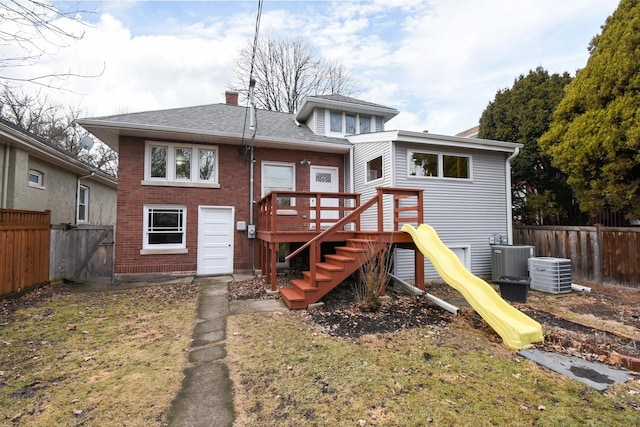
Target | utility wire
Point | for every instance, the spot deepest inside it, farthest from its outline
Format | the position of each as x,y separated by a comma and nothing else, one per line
253,59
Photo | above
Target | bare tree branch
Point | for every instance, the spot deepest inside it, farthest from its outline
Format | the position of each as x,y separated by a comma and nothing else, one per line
31,30
55,124
286,71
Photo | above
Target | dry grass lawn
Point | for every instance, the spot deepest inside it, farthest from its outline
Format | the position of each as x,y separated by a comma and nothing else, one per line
287,371
94,359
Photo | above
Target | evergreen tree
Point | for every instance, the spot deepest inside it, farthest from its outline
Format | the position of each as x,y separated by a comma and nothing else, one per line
522,114
595,134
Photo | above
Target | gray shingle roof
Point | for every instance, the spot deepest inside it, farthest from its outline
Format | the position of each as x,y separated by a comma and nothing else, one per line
217,119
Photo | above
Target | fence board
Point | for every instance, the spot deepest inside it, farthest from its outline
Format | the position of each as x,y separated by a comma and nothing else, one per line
599,254
81,253
24,249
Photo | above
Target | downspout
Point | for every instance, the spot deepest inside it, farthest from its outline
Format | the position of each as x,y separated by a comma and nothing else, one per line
252,126
5,176
509,196
352,185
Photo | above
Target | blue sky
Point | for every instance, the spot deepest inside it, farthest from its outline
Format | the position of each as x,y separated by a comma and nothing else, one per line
440,62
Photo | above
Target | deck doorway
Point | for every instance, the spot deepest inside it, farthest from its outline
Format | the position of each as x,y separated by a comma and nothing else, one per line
324,179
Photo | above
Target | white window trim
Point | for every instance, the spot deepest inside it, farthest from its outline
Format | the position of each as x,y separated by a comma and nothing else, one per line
366,169
170,180
440,155
40,184
86,205
343,133
171,248
270,163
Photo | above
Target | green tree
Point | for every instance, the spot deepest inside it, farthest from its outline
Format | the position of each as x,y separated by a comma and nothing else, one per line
595,134
522,114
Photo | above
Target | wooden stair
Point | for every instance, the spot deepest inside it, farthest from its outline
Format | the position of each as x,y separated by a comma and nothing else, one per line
334,270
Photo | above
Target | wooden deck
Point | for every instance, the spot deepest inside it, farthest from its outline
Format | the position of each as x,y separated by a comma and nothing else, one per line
325,233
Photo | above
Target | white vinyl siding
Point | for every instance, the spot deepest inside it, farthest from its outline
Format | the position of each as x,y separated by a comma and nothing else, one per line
317,121
464,212
363,153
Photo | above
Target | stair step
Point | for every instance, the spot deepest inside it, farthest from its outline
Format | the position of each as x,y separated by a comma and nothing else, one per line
320,277
293,298
303,286
349,249
339,258
329,267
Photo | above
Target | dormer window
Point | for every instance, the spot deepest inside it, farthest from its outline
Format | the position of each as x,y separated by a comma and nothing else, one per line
344,123
365,124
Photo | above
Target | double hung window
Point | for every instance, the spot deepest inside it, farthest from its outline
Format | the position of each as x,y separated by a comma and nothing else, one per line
279,176
83,203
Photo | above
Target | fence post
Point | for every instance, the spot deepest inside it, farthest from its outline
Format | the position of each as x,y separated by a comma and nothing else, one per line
597,253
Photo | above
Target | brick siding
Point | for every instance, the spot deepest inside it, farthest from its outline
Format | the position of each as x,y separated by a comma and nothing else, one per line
233,191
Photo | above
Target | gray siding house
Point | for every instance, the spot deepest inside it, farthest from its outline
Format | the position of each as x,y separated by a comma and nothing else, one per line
466,183
36,175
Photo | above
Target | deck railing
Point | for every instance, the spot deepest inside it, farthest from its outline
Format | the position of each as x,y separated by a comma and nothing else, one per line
298,211
402,213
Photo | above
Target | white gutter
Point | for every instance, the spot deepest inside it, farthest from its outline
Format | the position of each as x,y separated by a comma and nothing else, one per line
516,151
5,176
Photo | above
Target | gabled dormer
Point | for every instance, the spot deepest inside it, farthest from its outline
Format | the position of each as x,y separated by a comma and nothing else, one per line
340,116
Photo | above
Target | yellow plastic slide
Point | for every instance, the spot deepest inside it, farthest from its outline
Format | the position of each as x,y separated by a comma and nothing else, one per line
518,331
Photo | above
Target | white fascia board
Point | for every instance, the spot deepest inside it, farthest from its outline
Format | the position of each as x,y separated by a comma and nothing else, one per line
457,141
435,139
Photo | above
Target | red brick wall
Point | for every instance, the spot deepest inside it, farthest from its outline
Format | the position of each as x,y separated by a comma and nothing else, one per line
233,191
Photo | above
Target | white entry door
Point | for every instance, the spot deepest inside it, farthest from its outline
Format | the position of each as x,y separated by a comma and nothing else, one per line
215,240
324,179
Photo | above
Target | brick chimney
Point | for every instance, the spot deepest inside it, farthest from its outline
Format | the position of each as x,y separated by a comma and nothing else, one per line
231,98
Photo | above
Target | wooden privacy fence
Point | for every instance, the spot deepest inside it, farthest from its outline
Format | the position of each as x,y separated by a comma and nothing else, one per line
597,254
83,252
24,249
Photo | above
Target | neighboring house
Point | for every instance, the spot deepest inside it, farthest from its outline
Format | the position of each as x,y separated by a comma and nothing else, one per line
470,133
192,181
37,175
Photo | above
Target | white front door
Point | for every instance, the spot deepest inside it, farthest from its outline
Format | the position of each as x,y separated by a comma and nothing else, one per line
324,179
215,240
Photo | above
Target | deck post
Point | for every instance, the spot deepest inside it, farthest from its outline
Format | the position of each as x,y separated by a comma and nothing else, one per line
274,268
419,269
380,209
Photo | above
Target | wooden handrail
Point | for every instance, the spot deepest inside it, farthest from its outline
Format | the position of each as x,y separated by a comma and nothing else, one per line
344,220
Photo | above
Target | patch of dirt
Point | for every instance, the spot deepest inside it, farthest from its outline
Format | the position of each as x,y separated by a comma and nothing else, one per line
589,325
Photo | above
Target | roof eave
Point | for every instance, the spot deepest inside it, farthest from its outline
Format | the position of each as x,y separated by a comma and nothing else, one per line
436,139
311,102
113,130
42,151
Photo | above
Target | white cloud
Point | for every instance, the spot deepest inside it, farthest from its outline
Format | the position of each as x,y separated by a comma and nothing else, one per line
439,62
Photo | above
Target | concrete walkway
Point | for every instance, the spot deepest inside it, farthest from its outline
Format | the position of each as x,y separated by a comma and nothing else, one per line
206,397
